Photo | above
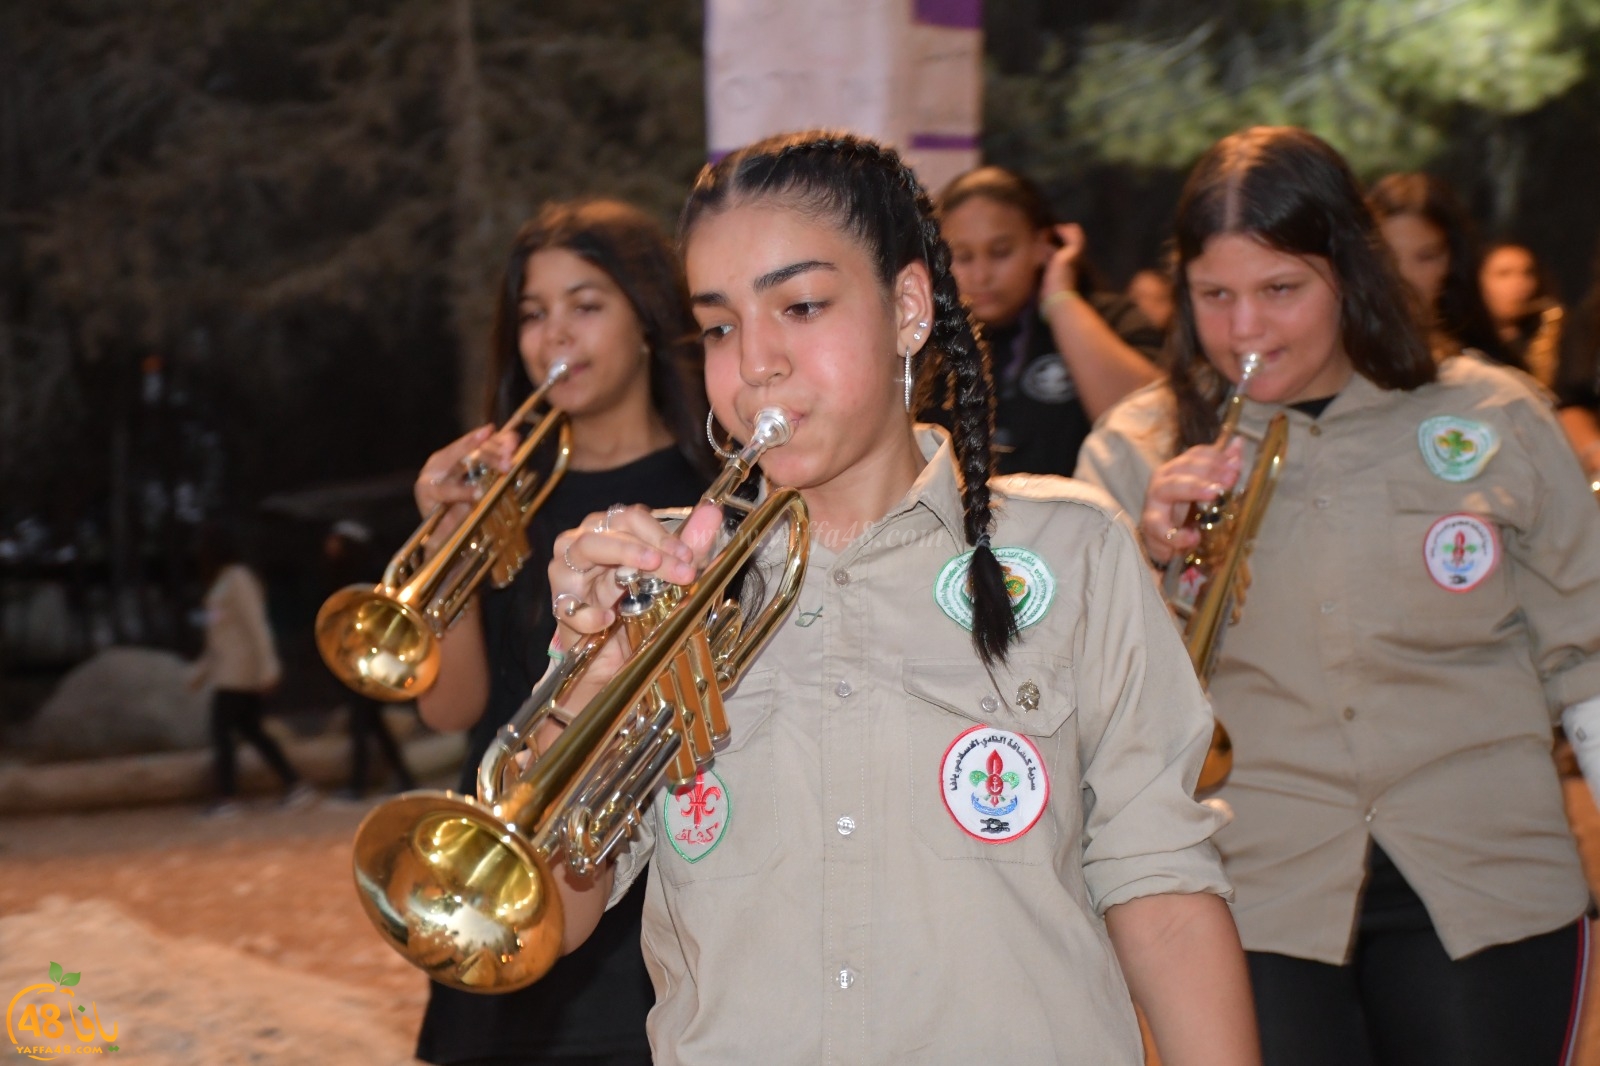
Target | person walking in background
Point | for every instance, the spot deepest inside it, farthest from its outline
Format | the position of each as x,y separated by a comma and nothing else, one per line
1062,351
240,663
343,550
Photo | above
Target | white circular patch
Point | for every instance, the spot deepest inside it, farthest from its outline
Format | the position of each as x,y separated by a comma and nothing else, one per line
1461,550
1047,380
1029,583
994,784
696,816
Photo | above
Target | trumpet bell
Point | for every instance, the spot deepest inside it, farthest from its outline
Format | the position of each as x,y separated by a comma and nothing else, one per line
457,893
377,645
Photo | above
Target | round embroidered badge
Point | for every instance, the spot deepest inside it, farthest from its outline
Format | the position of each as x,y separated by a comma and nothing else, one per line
1461,550
696,816
1456,449
994,784
1029,582
1047,380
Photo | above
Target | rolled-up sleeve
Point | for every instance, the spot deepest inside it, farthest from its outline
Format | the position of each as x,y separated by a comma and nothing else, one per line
1143,740
1557,556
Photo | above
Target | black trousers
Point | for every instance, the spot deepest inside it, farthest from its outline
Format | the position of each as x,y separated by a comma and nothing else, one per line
239,713
1402,1001
368,727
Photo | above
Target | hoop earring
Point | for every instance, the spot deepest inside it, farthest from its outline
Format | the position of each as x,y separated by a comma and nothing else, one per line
907,378
711,439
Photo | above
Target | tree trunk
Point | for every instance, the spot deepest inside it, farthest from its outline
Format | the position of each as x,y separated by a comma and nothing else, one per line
469,305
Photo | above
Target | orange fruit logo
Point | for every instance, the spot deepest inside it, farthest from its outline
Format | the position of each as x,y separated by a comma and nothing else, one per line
44,1021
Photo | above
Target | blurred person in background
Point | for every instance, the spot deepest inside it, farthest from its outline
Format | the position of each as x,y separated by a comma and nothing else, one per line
240,663
1577,385
1151,292
1062,350
345,551
597,285
1523,307
1436,250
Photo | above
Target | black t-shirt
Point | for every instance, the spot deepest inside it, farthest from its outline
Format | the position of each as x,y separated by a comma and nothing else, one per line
1040,424
594,1001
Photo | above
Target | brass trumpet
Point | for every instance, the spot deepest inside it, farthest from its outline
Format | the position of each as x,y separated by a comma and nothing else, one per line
383,641
463,888
1206,586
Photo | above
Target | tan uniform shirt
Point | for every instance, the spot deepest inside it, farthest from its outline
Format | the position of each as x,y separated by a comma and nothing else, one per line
1371,692
842,915
239,653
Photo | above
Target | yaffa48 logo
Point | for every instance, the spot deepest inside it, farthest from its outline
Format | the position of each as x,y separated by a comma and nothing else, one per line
45,1021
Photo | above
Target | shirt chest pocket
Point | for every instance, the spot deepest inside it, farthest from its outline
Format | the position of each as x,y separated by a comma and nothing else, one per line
1449,580
983,767
725,823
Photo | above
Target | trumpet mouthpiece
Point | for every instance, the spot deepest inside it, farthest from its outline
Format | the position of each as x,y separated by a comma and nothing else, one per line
1247,369
772,427
557,372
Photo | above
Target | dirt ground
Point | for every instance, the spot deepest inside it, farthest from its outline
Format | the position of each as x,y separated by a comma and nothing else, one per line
241,941
262,952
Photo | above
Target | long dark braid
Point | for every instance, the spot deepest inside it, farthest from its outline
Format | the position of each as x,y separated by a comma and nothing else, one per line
876,198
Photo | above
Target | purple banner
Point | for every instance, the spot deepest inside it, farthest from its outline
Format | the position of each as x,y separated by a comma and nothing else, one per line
956,14
945,142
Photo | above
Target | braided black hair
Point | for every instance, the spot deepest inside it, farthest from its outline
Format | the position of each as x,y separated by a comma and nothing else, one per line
873,196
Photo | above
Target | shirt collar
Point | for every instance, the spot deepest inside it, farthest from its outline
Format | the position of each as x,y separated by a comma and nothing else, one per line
1358,394
937,489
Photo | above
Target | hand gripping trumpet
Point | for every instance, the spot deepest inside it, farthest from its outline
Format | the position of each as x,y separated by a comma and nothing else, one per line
1206,586
383,641
463,887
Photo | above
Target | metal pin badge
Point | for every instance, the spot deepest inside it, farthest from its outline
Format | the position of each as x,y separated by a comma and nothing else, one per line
1028,696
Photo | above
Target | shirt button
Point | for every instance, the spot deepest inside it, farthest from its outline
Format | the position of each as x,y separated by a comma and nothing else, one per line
1323,502
846,978
842,689
841,577
1316,430
1349,713
989,704
846,825
1327,606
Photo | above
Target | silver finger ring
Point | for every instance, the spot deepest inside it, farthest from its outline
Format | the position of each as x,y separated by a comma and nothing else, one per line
566,558
614,509
572,605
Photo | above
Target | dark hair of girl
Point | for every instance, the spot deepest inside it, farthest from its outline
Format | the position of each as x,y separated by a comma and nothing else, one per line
1289,190
872,196
1007,187
1460,310
635,252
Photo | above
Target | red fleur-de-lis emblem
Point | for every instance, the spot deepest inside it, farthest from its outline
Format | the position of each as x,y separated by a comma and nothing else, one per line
996,783
697,799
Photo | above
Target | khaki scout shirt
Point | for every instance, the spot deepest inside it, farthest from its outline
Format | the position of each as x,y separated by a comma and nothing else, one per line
1364,698
842,915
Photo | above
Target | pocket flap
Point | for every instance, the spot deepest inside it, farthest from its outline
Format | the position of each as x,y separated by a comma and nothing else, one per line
1491,501
1031,694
